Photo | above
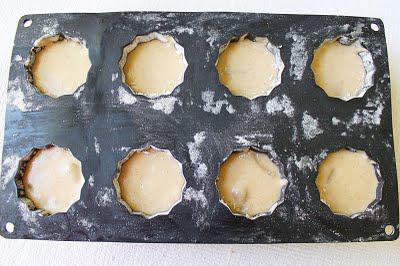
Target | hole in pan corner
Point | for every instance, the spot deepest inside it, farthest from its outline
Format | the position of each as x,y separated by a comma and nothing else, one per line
9,227
389,230
374,27
27,22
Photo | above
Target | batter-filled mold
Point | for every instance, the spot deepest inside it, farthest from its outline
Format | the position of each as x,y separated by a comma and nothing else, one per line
349,182
250,184
149,182
343,68
58,65
49,179
153,65
250,66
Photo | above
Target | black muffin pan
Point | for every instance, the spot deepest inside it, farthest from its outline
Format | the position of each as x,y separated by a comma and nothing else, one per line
100,130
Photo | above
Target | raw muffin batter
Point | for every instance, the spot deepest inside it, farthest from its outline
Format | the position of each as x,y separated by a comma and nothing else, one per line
347,181
60,67
250,183
151,182
249,68
154,67
53,179
339,69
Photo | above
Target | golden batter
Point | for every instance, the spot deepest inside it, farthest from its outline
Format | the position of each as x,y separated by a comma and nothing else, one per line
53,179
250,183
248,68
153,66
347,182
60,67
150,182
339,69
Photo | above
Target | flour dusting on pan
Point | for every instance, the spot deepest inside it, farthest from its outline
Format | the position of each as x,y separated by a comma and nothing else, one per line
369,116
195,156
114,76
280,104
27,215
251,139
50,26
310,126
200,174
17,58
308,162
97,146
125,97
165,104
91,181
105,197
298,54
16,96
78,93
198,196
8,170
215,107
181,29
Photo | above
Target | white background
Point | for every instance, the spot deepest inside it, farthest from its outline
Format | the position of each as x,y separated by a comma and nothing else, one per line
54,253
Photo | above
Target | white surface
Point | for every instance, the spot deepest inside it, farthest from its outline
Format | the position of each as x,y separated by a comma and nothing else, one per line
71,253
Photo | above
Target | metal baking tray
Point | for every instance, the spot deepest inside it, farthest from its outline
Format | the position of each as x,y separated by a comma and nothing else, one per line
201,123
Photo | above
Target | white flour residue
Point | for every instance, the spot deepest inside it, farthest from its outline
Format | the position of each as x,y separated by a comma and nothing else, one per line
104,197
199,214
201,170
198,196
17,98
335,121
300,213
114,76
255,107
215,107
27,215
309,162
250,139
212,37
97,146
165,105
208,54
91,181
84,222
310,126
270,150
17,58
294,136
368,117
298,56
9,168
180,30
125,97
195,156
280,104
50,26
201,205
149,17
345,27
77,94
358,30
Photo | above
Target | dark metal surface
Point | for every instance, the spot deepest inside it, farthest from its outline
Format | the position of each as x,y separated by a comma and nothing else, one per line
97,128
